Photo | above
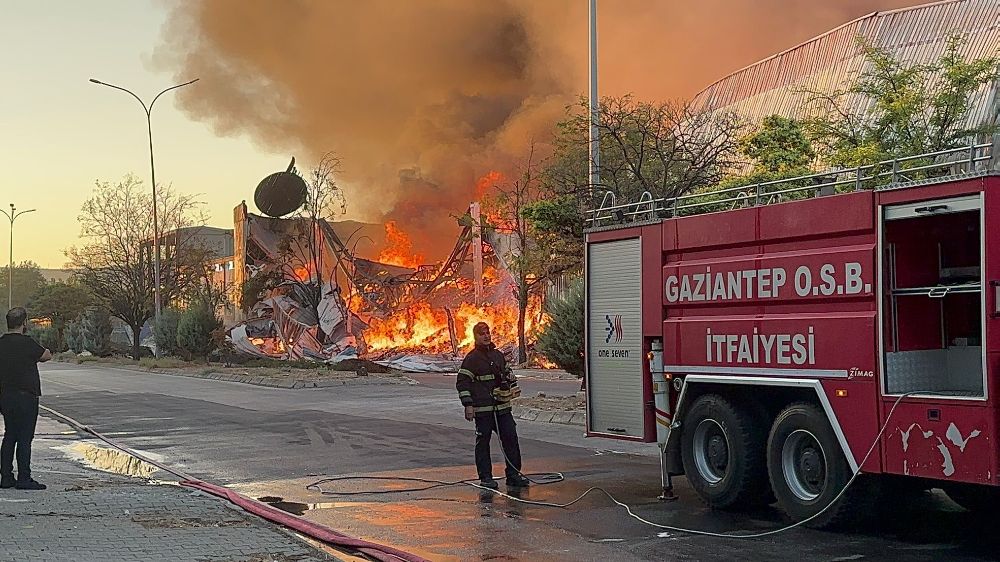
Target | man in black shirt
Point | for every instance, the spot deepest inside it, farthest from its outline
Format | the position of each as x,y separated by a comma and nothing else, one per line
20,388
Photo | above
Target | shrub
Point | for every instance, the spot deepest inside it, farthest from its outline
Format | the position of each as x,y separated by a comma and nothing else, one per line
74,335
48,337
196,328
95,331
561,339
165,332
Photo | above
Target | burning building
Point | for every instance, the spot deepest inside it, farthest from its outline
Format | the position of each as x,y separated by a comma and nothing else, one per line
307,291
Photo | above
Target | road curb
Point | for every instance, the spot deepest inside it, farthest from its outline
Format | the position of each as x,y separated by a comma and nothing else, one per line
287,384
546,416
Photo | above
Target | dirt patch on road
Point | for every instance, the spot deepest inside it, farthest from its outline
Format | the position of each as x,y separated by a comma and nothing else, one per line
552,403
112,460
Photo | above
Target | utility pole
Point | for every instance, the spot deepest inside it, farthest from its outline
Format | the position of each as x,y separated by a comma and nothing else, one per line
595,111
12,216
152,173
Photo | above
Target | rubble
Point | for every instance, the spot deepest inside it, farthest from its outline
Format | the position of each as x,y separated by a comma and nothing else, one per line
411,319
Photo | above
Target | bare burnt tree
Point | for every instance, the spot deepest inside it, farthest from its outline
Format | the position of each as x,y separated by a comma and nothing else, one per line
307,263
666,148
530,260
116,262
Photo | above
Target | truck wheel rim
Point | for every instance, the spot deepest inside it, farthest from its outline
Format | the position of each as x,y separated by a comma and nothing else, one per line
803,464
711,451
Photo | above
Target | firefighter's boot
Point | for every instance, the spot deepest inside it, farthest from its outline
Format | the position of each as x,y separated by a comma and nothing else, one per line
518,481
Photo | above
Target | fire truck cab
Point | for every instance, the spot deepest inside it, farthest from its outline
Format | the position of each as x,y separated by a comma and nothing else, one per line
776,339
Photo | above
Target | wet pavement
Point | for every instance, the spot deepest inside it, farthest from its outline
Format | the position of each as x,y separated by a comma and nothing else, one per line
530,384
271,443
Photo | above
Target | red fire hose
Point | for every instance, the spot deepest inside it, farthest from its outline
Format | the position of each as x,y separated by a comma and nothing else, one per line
315,530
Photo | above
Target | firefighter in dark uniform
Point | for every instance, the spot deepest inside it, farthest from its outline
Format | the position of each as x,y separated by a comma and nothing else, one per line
486,387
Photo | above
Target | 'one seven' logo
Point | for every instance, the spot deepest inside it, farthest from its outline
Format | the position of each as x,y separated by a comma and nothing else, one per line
614,327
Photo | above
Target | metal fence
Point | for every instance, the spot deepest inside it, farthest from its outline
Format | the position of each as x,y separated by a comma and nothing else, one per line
974,158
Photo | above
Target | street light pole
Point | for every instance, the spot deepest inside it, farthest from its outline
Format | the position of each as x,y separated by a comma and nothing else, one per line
12,216
595,112
152,173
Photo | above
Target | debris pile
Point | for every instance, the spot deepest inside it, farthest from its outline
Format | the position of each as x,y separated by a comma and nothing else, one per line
320,301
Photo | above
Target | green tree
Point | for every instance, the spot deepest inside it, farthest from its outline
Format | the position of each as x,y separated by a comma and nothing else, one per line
778,147
561,339
197,328
73,335
27,279
116,263
95,331
557,227
60,303
48,337
914,108
165,332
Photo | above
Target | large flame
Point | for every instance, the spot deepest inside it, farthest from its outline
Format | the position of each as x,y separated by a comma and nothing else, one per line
486,183
423,326
399,248
423,329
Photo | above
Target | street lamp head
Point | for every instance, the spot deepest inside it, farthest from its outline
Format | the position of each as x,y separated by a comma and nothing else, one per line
96,81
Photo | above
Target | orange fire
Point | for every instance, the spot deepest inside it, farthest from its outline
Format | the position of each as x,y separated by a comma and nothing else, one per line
544,362
423,329
399,248
486,183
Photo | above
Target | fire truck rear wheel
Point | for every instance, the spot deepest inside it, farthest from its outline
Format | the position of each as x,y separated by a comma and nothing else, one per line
723,453
807,467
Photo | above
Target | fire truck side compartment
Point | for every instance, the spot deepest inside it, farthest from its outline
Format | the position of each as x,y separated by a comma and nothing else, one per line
945,342
845,298
787,293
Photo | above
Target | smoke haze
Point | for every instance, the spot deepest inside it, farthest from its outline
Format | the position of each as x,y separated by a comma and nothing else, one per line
422,98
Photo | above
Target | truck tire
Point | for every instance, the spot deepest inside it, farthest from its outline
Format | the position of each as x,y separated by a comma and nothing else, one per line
723,453
808,469
980,499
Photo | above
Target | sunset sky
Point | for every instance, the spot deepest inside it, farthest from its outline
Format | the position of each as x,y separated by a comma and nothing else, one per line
61,133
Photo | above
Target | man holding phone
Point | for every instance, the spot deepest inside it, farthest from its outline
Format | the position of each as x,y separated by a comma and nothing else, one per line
20,388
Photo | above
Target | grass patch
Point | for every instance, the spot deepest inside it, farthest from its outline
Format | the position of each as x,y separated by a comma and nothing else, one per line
280,364
162,363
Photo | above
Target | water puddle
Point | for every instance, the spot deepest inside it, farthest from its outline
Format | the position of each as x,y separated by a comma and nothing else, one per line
299,508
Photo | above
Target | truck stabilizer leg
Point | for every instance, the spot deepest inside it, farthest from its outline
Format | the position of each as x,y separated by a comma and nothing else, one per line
668,486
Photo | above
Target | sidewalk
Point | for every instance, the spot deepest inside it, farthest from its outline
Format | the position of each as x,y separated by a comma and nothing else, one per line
91,515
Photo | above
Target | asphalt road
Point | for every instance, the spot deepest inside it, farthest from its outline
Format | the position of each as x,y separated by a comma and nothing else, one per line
273,442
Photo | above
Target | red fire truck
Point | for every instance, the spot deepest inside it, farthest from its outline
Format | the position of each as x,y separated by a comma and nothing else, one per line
776,339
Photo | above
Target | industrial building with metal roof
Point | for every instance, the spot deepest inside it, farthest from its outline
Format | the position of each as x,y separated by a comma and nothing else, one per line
778,85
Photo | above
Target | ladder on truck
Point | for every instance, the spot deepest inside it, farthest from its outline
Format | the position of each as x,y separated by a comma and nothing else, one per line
969,161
